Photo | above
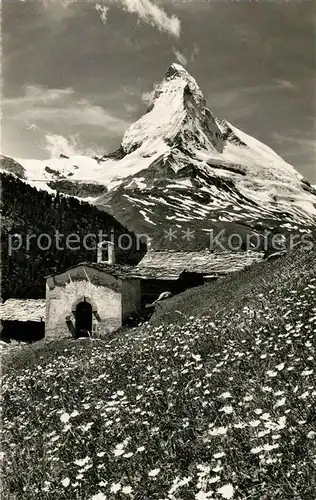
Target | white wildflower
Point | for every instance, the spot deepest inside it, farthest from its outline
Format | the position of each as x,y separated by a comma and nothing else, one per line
305,373
82,462
127,490
279,393
254,423
269,447
264,433
279,403
280,367
65,418
225,395
119,449
239,425
281,422
304,395
65,482
256,450
118,452
205,469
248,398
153,472
203,495
214,479
218,468
217,431
115,487
265,416
178,483
196,357
227,409
226,491
98,496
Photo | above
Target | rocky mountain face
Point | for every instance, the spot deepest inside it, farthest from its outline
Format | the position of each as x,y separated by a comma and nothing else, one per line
204,173
10,165
182,171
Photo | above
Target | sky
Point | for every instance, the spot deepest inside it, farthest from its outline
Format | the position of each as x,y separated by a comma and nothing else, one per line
75,74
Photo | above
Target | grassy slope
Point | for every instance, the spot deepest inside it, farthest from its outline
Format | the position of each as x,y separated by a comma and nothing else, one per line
238,290
223,402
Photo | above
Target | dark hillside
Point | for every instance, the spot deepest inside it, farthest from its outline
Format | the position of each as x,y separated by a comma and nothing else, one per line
26,211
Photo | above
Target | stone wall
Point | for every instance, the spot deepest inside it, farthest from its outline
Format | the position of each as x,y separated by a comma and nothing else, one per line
65,291
131,298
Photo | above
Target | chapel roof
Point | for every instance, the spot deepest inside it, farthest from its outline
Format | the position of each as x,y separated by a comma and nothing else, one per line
119,271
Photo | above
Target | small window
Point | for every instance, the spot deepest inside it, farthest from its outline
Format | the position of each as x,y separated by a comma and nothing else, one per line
106,253
103,252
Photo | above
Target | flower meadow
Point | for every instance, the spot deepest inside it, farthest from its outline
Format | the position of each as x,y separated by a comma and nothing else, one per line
219,407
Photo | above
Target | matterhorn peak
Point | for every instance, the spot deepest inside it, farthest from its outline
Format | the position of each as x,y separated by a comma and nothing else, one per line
176,98
177,71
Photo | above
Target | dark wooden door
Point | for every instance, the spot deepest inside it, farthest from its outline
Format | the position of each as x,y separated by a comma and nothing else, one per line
83,319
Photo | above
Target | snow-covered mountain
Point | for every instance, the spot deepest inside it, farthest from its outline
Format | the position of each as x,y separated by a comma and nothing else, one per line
181,167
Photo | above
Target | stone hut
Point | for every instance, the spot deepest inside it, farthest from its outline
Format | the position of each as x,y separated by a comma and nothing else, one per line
176,271
22,319
91,299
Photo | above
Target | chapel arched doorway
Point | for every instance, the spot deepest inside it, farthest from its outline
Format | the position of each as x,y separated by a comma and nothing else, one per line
83,319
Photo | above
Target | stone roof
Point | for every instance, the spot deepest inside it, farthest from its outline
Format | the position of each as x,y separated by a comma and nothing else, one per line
116,270
23,310
167,264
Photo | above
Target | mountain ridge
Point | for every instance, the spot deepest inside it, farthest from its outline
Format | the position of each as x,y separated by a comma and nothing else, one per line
181,166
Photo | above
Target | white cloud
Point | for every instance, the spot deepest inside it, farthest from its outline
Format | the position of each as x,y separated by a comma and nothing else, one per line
103,11
181,59
285,84
59,3
72,145
57,144
39,94
146,10
57,9
153,15
32,127
194,53
304,142
131,108
40,105
147,97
